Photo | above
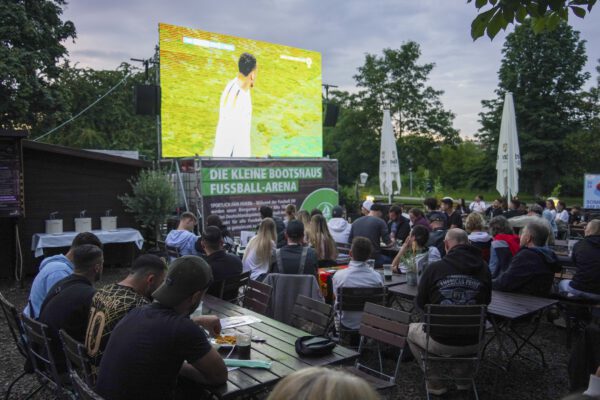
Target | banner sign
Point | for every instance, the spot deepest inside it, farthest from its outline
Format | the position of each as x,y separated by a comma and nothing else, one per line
591,191
235,189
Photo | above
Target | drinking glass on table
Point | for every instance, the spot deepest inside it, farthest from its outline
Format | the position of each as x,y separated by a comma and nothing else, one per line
243,341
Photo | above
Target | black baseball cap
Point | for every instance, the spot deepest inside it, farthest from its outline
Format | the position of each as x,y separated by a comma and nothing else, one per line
295,229
337,212
186,276
436,217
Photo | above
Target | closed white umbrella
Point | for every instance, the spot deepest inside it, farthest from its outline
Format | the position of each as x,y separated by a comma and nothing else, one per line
508,163
389,166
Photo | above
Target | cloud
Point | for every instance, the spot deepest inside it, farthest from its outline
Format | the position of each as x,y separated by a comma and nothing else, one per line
110,32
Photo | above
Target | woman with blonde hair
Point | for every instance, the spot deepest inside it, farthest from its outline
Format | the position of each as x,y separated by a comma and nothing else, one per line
259,252
290,214
478,236
304,217
318,383
321,240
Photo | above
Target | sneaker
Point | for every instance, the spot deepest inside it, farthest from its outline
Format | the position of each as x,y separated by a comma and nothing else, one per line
436,388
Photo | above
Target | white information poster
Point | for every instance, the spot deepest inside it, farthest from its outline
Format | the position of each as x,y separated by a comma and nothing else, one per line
591,191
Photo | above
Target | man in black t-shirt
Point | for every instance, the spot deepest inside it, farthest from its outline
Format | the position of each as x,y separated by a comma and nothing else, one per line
454,217
294,258
223,264
67,304
375,229
154,344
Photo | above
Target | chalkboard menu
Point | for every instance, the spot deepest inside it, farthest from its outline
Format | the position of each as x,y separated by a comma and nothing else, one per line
11,174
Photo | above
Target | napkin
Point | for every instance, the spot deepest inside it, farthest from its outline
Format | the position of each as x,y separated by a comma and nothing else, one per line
231,362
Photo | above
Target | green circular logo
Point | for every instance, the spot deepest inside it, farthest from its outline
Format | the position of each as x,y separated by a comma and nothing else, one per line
323,199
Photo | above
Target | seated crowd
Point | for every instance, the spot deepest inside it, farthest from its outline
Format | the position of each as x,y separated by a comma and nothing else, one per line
143,344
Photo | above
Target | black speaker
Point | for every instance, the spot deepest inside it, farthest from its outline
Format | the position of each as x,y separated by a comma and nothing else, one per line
331,115
146,99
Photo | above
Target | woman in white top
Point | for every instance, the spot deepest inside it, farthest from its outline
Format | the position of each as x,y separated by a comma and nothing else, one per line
561,212
259,252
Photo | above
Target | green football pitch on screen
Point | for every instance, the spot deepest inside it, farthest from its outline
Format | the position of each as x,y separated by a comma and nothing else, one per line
223,96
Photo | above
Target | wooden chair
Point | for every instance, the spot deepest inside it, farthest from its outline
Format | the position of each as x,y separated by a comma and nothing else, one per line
311,315
382,326
77,358
18,335
83,390
354,299
257,296
229,289
462,323
40,351
172,252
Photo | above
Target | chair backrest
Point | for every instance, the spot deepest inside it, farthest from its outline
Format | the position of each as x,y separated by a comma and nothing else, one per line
343,248
76,356
461,323
39,346
355,298
257,296
383,325
84,391
229,289
14,326
172,252
311,315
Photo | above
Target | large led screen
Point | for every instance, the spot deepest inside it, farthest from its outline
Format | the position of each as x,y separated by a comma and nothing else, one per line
224,96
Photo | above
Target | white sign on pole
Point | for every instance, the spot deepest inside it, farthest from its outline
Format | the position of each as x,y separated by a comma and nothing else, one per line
591,191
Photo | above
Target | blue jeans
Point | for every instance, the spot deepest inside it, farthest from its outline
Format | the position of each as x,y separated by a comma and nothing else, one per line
565,289
382,259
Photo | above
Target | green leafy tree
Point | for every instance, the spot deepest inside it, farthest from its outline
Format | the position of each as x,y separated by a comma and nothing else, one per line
31,49
546,14
397,81
111,123
544,73
152,199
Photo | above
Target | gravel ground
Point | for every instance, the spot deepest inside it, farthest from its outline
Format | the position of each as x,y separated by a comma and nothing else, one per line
525,380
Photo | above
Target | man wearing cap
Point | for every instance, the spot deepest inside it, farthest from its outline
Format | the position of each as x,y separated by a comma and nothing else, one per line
294,258
338,226
375,229
154,345
223,264
366,207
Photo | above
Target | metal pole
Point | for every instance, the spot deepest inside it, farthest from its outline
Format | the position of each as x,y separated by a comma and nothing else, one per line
157,77
410,177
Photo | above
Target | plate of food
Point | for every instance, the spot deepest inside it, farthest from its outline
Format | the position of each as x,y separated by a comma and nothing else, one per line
223,341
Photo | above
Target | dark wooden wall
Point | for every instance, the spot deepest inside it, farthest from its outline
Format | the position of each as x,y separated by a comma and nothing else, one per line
68,181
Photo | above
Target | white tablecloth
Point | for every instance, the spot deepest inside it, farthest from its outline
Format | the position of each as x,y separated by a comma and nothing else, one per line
121,235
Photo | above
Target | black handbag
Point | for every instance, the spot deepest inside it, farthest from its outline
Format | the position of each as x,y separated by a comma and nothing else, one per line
314,346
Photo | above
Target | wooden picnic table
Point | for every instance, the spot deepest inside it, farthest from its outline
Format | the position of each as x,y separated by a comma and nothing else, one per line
277,348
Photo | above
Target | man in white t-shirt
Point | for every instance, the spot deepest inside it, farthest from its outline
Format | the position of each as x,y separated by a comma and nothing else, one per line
235,112
478,205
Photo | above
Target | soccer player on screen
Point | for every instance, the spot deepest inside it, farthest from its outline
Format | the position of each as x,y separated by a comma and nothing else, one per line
235,112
